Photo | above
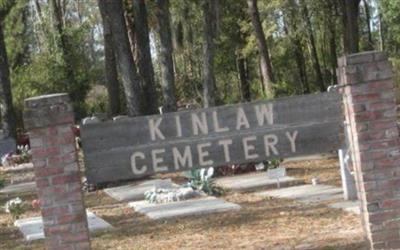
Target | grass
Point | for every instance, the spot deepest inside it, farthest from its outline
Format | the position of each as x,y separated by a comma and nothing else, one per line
262,223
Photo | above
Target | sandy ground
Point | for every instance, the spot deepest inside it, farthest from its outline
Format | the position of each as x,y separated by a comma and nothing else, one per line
262,223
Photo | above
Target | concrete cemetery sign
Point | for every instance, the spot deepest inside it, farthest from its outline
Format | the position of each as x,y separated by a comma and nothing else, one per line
249,132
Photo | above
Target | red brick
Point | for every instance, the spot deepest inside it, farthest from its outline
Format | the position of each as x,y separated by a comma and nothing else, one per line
73,237
383,216
390,203
384,144
71,218
357,99
63,179
386,163
393,244
58,229
42,183
382,124
387,105
48,171
389,184
381,85
58,211
386,235
45,152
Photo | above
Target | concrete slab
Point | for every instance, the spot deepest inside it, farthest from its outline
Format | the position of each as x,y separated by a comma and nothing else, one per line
135,192
307,193
18,168
19,188
32,228
310,157
183,208
254,181
348,206
22,177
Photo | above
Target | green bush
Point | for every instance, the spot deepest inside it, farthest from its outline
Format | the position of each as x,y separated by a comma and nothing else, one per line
200,180
96,100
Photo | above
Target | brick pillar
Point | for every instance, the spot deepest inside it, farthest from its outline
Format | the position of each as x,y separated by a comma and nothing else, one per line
49,121
370,110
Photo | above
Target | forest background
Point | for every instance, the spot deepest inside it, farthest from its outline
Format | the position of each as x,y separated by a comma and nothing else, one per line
133,56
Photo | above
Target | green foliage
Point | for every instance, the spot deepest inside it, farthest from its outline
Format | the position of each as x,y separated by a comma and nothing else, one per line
2,181
96,100
274,163
200,180
390,11
396,71
38,64
15,207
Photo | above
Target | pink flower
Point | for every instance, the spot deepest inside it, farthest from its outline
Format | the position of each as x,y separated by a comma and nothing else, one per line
36,204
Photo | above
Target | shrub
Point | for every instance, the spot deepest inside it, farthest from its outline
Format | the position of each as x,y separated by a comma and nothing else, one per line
200,179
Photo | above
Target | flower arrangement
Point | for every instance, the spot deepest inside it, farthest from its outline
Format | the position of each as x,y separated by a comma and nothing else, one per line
201,179
35,204
24,153
23,156
165,195
15,207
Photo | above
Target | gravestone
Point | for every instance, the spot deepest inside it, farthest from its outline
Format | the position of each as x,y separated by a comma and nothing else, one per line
32,228
183,208
135,192
254,181
19,188
7,145
306,193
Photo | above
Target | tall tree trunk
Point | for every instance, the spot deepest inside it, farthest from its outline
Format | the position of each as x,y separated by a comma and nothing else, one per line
265,61
243,78
130,78
22,55
209,33
298,50
167,66
145,65
7,113
111,73
314,54
6,109
350,23
301,65
381,36
368,21
332,8
63,44
130,28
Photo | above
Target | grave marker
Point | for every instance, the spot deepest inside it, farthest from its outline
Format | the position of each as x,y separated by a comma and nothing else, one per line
276,173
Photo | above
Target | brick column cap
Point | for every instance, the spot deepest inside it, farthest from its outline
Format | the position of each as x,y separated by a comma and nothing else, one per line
46,100
362,57
46,110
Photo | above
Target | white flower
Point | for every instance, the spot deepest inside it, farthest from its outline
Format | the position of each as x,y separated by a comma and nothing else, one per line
210,172
12,203
202,174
